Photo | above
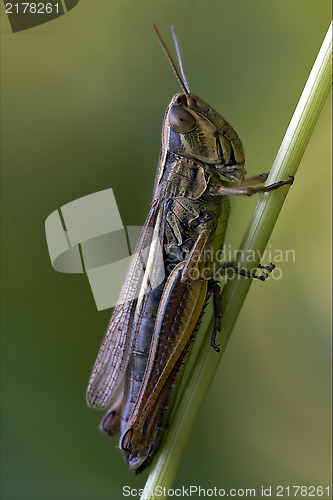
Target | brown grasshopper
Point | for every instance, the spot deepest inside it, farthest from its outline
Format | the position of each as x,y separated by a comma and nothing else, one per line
170,277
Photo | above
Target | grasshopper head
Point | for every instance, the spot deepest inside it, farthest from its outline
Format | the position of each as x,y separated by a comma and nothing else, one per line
193,129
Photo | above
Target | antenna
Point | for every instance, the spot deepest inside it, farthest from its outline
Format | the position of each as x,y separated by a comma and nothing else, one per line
175,39
167,53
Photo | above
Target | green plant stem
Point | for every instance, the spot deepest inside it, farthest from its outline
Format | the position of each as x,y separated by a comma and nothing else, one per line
234,293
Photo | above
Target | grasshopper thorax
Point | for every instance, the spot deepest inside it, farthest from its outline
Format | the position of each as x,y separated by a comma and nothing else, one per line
193,129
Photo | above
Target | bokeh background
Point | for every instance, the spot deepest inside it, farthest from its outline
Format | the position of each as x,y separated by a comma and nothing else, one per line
83,98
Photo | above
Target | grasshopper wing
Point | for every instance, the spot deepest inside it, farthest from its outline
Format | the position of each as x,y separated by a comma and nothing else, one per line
145,272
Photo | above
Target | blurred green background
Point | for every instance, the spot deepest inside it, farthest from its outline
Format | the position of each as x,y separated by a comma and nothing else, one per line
83,99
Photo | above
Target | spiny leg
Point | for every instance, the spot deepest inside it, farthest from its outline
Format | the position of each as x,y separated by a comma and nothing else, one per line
246,188
215,289
249,274
254,180
269,268
229,268
217,301
270,187
192,263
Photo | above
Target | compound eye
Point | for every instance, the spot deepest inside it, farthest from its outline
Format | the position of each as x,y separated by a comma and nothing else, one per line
180,120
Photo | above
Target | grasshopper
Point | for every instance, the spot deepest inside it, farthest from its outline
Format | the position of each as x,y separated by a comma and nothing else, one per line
170,277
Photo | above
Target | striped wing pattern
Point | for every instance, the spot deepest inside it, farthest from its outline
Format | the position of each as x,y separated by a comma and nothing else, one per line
118,343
